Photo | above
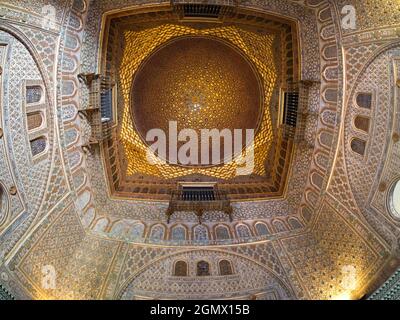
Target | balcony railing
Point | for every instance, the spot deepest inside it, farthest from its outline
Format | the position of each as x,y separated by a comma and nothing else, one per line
197,9
199,201
99,111
296,101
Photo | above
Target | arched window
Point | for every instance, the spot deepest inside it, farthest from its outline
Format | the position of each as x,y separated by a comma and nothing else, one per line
394,200
364,100
101,225
35,120
200,233
136,231
317,180
362,123
181,269
225,268
3,204
358,146
279,226
89,217
178,233
83,200
262,229
203,268
33,94
295,224
119,229
222,233
79,5
1,201
71,136
157,233
38,146
243,231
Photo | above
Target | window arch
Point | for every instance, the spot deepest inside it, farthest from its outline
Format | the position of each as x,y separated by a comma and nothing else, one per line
83,199
136,190
279,226
38,145
364,100
203,268
394,200
225,268
136,231
306,213
362,123
88,217
35,120
295,224
119,229
2,200
35,113
33,94
243,231
3,204
200,233
157,232
180,269
358,146
101,225
178,233
222,233
262,229
317,180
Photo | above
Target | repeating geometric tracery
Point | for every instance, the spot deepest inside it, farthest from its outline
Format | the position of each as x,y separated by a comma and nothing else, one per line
318,219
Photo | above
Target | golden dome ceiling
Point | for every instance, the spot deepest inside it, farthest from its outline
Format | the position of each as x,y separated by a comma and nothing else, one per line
141,45
200,83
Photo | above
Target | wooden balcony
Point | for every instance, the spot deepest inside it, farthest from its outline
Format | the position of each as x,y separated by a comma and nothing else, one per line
196,10
199,201
295,110
99,110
